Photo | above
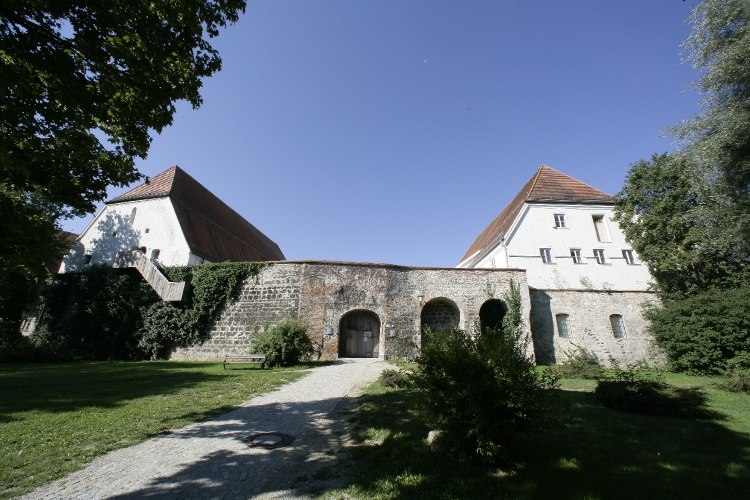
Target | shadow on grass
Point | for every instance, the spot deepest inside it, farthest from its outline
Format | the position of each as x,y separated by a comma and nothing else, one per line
68,387
583,451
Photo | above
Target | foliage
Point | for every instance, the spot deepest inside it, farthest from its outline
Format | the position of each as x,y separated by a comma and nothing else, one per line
92,316
716,142
481,391
706,333
395,378
581,363
589,451
58,417
737,380
114,314
639,393
85,84
657,210
402,348
212,286
285,343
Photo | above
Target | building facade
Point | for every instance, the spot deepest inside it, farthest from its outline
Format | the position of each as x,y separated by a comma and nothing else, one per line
586,283
171,218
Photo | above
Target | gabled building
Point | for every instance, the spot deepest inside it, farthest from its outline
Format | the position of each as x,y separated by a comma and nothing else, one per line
586,283
171,218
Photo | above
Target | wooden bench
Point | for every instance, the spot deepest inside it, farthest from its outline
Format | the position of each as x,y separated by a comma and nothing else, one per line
249,359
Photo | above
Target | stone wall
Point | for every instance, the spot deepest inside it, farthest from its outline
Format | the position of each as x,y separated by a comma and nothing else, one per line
590,327
321,293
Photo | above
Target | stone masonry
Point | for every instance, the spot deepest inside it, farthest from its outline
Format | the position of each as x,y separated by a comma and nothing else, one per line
401,300
322,293
589,314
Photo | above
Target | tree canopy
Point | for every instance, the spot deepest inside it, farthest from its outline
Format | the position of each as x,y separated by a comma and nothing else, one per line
84,85
716,142
659,211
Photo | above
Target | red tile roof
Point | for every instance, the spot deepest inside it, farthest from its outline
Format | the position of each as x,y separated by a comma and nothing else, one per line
547,185
212,229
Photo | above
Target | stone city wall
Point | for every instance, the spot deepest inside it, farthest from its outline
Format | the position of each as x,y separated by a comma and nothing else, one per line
589,315
324,293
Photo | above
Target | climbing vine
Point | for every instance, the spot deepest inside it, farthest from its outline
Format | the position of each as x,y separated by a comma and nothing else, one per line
114,314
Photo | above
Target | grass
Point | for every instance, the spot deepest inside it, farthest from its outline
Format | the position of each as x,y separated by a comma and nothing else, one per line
54,418
583,450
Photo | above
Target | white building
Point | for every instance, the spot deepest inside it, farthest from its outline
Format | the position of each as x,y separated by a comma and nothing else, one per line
562,232
171,218
586,284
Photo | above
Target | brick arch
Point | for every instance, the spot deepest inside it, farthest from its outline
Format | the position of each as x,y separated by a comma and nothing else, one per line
491,314
440,314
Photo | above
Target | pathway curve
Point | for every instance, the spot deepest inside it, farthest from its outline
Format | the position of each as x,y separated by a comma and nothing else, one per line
211,460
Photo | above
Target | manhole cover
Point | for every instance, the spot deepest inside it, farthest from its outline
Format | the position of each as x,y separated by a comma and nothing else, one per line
269,440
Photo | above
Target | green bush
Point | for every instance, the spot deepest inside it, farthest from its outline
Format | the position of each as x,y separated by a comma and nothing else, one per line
637,393
580,364
285,344
481,391
706,333
395,379
114,314
737,381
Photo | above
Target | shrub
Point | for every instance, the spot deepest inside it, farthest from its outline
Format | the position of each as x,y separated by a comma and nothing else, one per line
706,333
580,364
737,381
285,344
631,392
483,390
395,379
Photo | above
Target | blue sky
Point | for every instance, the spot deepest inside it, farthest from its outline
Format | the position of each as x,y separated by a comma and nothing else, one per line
396,130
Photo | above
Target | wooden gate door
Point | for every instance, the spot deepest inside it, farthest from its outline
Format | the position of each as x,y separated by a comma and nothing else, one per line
360,335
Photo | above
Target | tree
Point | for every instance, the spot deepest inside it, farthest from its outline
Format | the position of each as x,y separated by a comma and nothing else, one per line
660,213
84,85
716,142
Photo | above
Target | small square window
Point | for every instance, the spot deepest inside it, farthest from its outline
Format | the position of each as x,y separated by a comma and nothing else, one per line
575,254
618,326
600,256
546,255
628,256
559,220
563,325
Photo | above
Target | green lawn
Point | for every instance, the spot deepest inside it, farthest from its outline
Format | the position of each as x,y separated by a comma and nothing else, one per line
54,418
583,450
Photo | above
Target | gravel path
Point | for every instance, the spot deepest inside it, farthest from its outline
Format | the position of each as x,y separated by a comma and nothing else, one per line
211,460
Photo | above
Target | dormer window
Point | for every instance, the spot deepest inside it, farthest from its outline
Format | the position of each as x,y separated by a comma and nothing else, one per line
559,221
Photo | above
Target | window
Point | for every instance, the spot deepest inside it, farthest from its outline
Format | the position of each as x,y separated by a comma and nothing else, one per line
600,226
575,254
600,256
628,256
492,262
618,326
563,325
132,215
546,255
559,220
87,259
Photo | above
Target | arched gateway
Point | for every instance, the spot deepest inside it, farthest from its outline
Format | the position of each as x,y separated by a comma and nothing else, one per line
359,335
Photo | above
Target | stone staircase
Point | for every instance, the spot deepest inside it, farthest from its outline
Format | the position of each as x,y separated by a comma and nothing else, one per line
169,291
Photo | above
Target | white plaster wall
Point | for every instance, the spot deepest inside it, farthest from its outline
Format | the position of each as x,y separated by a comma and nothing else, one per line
536,229
155,227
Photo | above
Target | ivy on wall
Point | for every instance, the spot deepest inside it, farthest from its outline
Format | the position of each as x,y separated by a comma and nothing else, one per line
113,314
212,286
